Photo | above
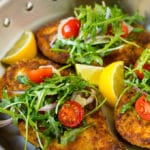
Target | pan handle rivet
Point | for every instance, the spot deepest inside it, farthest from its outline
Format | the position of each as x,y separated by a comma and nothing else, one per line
29,6
6,22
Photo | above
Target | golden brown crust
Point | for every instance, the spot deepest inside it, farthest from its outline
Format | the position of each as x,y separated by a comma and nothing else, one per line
142,38
136,131
45,36
97,137
129,54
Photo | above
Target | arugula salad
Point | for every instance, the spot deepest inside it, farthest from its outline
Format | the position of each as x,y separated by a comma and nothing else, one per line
94,32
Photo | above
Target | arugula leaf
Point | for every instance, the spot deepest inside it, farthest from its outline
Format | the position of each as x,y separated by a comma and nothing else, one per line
145,84
71,134
53,127
129,105
23,79
5,96
144,58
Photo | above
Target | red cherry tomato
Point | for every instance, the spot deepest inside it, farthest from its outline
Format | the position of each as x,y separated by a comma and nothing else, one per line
71,28
71,114
125,29
140,74
142,107
40,74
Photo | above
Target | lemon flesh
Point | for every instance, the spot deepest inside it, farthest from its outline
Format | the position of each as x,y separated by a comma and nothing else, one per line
25,47
89,72
111,81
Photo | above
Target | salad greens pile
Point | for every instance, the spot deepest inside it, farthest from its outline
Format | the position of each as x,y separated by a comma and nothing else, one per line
58,90
93,42
142,86
131,77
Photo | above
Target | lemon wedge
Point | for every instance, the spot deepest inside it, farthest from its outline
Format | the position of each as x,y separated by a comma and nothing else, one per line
89,72
25,47
111,81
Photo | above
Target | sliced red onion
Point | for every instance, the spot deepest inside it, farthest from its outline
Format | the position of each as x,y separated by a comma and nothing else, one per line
74,95
18,92
82,100
103,3
78,98
140,90
53,69
5,122
101,39
90,99
108,13
53,41
47,107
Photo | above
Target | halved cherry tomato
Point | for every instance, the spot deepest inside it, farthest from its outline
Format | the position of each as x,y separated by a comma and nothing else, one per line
71,28
142,107
40,74
71,114
140,74
125,29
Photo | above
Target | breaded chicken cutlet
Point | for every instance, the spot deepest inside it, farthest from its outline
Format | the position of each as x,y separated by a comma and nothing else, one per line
45,35
96,137
133,129
9,80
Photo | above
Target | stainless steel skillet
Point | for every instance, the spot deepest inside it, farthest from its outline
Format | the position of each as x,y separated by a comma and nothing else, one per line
19,15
